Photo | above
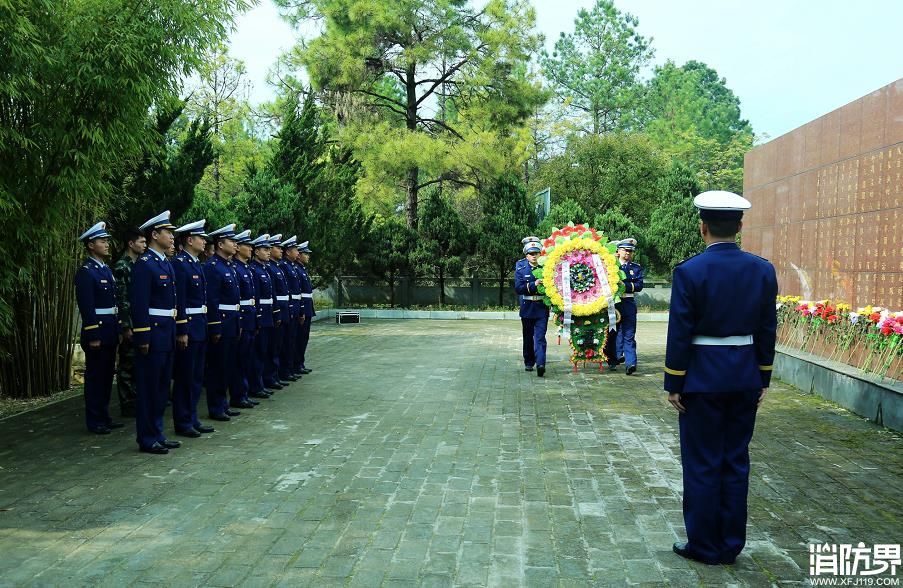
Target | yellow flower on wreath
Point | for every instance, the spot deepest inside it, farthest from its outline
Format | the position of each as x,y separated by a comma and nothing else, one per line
552,259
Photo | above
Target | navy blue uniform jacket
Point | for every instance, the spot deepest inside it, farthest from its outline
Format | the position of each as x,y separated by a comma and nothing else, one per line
153,286
721,292
263,288
222,288
524,284
95,288
307,292
191,292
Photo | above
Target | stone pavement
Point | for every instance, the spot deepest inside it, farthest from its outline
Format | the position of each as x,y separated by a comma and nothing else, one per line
419,453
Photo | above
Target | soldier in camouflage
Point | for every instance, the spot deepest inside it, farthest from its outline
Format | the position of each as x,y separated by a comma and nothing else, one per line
125,369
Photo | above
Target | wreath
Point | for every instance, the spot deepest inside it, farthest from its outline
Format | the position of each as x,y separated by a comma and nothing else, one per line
581,282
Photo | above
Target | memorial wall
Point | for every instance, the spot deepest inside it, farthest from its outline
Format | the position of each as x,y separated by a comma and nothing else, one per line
828,203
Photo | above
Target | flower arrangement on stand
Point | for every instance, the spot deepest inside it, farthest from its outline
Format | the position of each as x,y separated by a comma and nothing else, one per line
581,282
870,338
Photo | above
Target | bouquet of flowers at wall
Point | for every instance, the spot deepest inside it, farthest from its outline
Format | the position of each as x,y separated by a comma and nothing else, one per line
870,338
581,282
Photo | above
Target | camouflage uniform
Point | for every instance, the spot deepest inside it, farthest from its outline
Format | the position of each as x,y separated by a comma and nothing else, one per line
125,368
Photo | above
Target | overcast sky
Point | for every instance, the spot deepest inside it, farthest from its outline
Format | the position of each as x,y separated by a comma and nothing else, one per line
789,61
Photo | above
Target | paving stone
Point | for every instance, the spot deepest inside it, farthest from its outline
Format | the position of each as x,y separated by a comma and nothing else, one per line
433,465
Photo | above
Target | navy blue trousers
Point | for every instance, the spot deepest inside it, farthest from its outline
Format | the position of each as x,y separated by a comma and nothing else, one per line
261,348
626,342
153,377
245,364
534,334
714,446
187,382
303,340
271,365
100,365
221,370
287,350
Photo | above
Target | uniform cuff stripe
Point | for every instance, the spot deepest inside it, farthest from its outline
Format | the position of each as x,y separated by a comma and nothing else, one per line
675,372
141,330
766,368
182,322
216,323
97,326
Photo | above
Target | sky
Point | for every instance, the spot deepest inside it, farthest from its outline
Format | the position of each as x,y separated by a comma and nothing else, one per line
789,61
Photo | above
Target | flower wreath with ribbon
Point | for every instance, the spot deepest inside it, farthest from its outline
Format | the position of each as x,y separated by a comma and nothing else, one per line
581,283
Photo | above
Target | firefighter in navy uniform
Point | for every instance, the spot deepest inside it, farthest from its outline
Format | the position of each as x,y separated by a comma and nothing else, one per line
153,308
272,370
307,309
633,283
239,397
292,326
223,323
191,331
95,294
534,314
718,361
263,290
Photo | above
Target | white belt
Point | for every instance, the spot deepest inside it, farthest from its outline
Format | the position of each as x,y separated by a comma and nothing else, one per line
282,298
297,296
105,310
197,310
308,295
533,298
229,307
627,295
249,302
266,301
162,312
735,340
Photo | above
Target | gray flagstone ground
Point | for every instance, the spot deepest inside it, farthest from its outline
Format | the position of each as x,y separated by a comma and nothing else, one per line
419,453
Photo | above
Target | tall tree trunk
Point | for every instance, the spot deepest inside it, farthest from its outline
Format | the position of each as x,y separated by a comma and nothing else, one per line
391,289
441,286
413,175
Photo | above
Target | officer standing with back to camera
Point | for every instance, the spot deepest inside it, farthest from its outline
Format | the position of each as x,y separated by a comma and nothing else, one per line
534,314
95,294
718,362
191,330
633,283
153,300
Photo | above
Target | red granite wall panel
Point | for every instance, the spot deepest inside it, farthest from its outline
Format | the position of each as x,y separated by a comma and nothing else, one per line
828,203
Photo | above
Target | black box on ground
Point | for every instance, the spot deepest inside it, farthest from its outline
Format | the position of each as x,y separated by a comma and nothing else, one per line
347,317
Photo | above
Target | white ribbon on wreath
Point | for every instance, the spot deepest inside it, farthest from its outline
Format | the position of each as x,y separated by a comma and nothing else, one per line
602,276
566,291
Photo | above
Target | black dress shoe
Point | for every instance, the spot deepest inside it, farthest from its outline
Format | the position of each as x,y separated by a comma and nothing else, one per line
100,431
284,383
612,367
155,448
682,550
242,404
528,368
220,417
540,371
112,426
621,360
171,444
292,378
258,395
276,386
631,369
193,433
232,413
253,402
204,429
306,370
